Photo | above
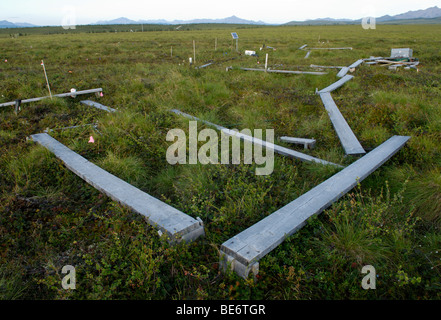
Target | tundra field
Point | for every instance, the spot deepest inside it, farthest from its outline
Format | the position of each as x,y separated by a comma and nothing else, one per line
49,217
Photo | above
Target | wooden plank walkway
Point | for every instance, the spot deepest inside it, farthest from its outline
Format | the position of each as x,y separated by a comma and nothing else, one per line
97,105
347,138
343,72
177,225
336,84
279,149
242,252
356,64
61,95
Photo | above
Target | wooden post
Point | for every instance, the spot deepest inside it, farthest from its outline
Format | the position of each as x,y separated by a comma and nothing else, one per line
47,81
215,44
171,51
194,51
17,106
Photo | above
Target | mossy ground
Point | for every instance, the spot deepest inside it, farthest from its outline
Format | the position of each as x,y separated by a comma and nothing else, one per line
50,218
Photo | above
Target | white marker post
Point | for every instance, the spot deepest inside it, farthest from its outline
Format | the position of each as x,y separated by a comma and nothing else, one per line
194,51
266,62
47,81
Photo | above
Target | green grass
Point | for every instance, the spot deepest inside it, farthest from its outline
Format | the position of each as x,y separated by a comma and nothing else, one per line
50,218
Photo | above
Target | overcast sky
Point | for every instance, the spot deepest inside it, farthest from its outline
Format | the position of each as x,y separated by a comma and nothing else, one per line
51,12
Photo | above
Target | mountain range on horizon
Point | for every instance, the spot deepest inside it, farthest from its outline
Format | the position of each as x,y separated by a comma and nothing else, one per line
429,13
228,20
426,14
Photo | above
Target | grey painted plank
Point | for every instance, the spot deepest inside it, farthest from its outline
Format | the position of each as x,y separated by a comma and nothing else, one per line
347,138
344,48
298,72
306,142
97,105
285,71
61,95
373,58
303,47
356,64
72,127
307,54
176,224
326,67
205,65
336,84
279,149
246,248
343,72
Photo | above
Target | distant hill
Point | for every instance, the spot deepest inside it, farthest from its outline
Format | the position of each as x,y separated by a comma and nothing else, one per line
428,15
413,21
7,24
229,20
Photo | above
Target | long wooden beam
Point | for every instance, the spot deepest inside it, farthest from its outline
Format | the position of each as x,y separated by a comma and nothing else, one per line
97,105
343,72
344,48
177,225
205,65
326,67
285,71
61,95
336,84
279,149
356,64
242,252
347,137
